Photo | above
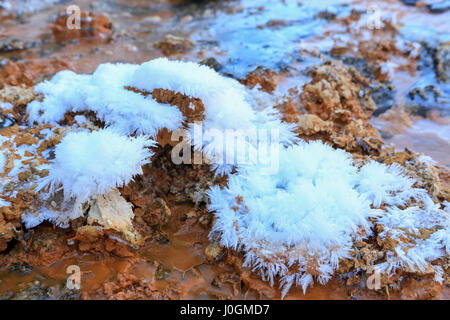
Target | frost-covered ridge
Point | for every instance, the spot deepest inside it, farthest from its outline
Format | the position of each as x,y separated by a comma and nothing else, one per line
87,165
106,92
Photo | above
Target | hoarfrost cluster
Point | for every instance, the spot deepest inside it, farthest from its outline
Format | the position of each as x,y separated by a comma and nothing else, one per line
106,92
299,223
92,163
296,224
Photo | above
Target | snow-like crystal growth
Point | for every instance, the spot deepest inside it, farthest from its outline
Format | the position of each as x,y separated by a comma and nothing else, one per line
32,219
421,246
302,220
104,93
87,164
227,106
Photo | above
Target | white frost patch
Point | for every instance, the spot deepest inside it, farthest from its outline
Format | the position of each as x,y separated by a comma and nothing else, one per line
32,219
90,164
296,223
4,203
6,105
303,219
407,223
388,68
104,93
222,97
2,161
426,159
20,7
80,119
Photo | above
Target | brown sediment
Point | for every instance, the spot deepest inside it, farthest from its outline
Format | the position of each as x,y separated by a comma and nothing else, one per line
394,65
334,94
192,108
31,72
274,24
331,108
128,286
421,289
25,198
441,61
263,76
19,96
7,233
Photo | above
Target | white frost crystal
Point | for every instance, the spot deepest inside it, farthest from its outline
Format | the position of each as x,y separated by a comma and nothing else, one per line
227,105
90,164
298,223
104,93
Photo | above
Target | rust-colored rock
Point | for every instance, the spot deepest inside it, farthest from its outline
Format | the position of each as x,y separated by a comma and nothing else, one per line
171,45
262,76
335,108
7,233
31,72
92,26
334,94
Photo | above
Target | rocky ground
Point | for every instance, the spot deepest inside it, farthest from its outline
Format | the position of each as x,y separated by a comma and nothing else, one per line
377,91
